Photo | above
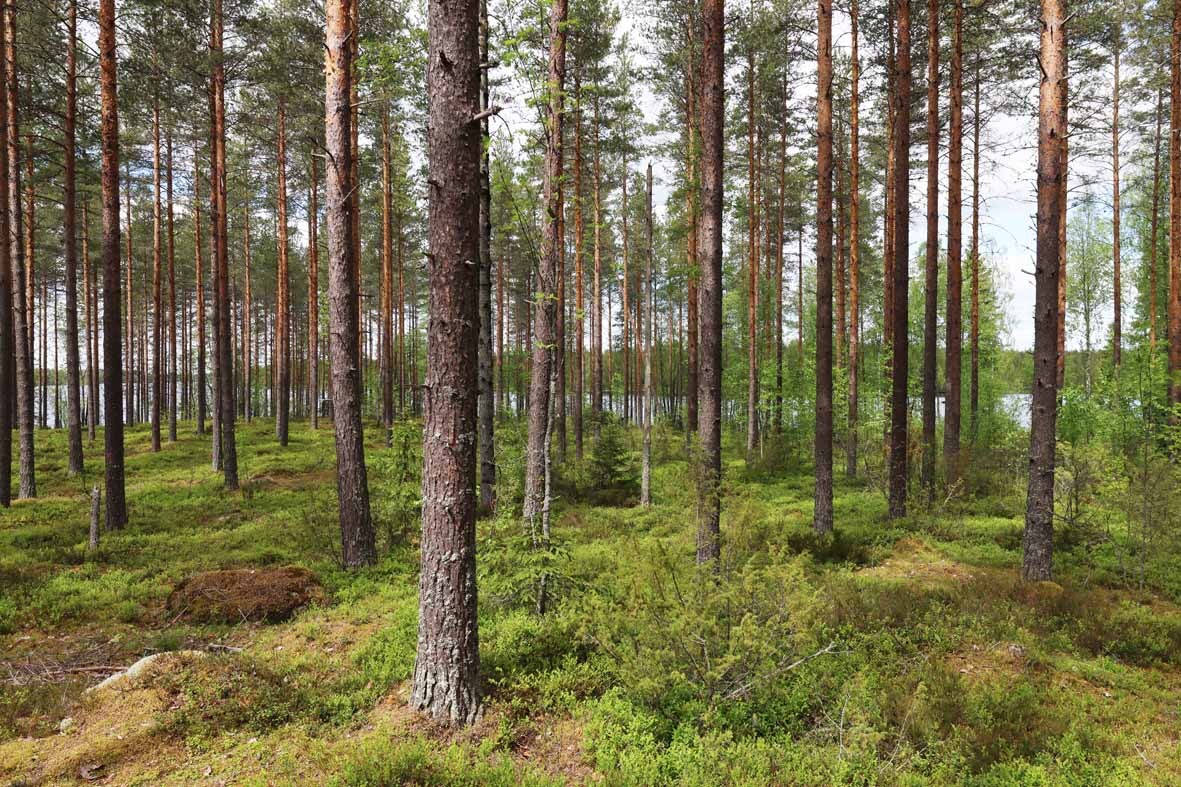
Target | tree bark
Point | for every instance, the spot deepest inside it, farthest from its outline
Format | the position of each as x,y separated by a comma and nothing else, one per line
854,243
171,291
116,517
1039,513
955,295
931,291
157,272
225,360
752,260
1117,295
314,295
597,281
536,503
89,296
129,338
691,240
709,397
1174,307
70,248
387,284
10,366
1064,101
1152,243
579,286
249,337
974,331
648,413
21,267
199,275
901,275
282,354
446,671
356,524
822,513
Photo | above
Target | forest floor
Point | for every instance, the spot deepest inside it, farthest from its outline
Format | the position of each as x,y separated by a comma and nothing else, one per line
893,653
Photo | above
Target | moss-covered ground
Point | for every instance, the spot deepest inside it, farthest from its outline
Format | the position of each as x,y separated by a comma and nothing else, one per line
902,652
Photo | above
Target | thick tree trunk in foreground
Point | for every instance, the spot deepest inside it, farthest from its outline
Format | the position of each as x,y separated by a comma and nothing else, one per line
356,524
901,278
1039,513
931,280
955,295
822,514
709,397
446,671
70,250
112,341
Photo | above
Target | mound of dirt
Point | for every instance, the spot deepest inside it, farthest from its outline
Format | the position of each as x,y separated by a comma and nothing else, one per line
267,595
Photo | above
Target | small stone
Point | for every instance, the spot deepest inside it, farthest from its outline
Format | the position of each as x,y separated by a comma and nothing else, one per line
65,725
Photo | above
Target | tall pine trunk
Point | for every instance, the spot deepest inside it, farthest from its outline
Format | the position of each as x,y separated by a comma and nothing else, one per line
70,248
225,359
90,296
974,330
648,413
21,265
116,517
282,354
822,512
446,670
1174,308
710,286
545,313
900,309
955,295
199,276
356,524
752,260
1039,513
314,295
931,279
171,219
157,272
1117,295
9,364
387,284
854,245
